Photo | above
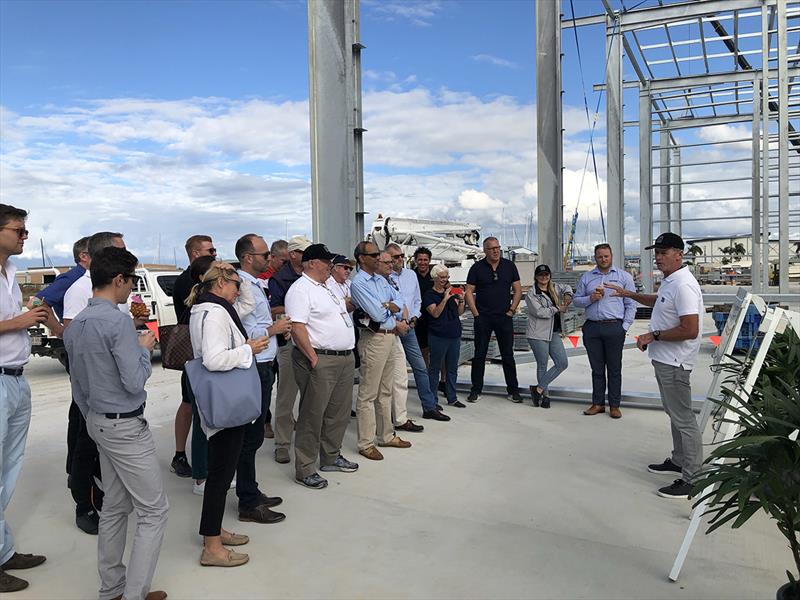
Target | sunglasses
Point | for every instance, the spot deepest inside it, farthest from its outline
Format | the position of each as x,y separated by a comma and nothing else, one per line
385,262
236,282
397,256
345,267
132,277
262,254
21,231
493,248
372,254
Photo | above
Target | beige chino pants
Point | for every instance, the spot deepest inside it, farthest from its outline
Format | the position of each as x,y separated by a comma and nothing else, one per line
376,374
400,384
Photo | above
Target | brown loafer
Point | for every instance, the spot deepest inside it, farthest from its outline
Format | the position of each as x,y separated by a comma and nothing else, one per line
615,412
234,559
235,539
371,453
594,409
396,442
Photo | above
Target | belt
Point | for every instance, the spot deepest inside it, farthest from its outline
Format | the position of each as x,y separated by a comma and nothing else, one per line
264,362
605,321
384,331
127,415
11,371
333,352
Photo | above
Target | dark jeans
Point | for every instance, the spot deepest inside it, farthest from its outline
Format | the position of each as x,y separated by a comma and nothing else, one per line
83,463
246,484
503,328
604,343
199,440
444,350
224,449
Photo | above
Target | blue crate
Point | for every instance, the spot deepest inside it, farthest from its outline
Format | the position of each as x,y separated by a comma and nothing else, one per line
748,332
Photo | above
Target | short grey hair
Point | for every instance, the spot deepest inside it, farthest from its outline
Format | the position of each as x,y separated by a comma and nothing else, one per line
439,269
393,245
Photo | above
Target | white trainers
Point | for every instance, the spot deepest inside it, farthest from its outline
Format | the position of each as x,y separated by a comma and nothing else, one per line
200,488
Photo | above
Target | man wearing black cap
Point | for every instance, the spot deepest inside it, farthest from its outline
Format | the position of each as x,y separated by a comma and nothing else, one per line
672,345
324,367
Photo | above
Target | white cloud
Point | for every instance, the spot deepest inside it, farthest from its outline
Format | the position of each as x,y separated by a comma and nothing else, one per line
475,200
418,12
495,60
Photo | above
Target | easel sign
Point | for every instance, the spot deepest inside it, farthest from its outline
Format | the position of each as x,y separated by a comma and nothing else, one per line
774,322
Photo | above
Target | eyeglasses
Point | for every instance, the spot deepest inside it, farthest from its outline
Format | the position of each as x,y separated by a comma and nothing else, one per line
345,267
132,277
236,282
372,254
493,248
262,254
21,231
212,251
397,256
385,262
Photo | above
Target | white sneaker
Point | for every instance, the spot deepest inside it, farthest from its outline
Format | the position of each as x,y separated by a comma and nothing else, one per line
200,488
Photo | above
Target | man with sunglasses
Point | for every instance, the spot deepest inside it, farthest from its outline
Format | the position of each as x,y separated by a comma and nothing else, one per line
15,394
110,366
196,246
493,294
82,461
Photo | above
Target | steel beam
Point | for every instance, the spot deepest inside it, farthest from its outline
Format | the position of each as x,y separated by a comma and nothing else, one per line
646,189
765,158
337,194
783,150
664,178
677,192
615,193
688,81
756,274
550,224
689,123
659,15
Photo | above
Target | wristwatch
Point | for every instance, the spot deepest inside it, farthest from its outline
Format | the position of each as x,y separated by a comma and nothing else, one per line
656,334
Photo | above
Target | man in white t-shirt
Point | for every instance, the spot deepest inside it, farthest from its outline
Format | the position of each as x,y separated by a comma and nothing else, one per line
323,366
672,345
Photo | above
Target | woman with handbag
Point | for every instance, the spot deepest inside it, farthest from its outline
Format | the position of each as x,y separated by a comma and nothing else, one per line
219,339
545,303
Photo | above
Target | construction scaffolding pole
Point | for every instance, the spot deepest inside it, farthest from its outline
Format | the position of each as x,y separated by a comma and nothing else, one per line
337,186
550,224
665,189
756,272
765,155
783,149
677,192
615,181
645,189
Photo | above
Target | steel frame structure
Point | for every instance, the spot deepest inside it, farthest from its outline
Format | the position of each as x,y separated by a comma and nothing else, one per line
674,107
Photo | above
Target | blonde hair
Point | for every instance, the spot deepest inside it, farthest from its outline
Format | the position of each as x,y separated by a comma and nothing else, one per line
439,269
217,270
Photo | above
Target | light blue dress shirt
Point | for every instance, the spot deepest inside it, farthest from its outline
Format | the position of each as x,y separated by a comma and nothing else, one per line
407,281
257,322
609,306
370,292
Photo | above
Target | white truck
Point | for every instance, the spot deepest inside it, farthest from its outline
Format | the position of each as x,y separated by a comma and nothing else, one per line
154,288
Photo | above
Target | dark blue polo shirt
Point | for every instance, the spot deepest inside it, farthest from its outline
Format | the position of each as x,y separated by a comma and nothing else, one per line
448,325
493,286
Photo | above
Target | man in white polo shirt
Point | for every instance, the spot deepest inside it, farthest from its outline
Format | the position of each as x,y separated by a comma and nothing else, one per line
672,345
324,366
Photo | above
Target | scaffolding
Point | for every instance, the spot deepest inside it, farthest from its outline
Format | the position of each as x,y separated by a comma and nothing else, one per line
744,60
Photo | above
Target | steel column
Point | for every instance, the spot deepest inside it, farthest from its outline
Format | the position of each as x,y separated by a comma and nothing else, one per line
337,194
756,273
765,199
783,150
550,224
665,189
645,190
615,181
677,204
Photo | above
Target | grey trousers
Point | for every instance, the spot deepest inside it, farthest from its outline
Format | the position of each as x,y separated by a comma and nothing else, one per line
326,393
676,397
283,415
131,481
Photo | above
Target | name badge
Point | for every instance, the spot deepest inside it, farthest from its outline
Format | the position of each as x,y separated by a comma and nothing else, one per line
346,319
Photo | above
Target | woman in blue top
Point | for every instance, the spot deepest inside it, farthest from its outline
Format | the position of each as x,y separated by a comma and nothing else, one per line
444,306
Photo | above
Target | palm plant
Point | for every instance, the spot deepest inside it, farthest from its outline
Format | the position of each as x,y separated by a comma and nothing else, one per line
761,464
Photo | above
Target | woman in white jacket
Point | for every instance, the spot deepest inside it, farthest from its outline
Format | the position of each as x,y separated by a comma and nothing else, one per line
219,338
545,303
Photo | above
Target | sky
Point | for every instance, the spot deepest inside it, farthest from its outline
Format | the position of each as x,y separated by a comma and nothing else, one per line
167,119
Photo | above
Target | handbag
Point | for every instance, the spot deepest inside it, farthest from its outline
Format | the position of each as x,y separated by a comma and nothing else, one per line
176,346
225,399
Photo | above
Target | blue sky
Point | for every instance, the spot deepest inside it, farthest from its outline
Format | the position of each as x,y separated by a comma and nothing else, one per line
165,119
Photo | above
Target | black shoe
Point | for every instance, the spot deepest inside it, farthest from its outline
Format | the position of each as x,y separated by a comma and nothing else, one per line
439,407
678,489
22,561
269,501
515,397
353,414
409,425
88,522
545,402
536,395
180,466
260,514
9,583
665,467
457,404
435,415
473,397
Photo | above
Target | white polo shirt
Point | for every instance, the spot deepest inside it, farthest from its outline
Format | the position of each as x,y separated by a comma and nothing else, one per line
342,290
678,296
78,294
15,346
322,312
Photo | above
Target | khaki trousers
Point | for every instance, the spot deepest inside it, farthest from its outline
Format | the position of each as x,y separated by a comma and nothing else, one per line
400,384
285,398
325,396
374,405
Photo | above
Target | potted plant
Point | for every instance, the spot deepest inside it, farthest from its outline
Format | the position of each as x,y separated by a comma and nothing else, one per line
760,468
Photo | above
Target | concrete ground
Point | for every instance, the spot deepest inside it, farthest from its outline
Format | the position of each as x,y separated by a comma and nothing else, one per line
504,501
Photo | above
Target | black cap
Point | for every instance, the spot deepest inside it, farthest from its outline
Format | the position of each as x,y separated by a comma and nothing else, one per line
541,269
667,240
317,251
341,259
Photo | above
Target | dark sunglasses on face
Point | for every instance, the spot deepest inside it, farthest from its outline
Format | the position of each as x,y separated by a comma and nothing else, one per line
236,282
373,254
345,267
262,254
397,256
21,231
132,277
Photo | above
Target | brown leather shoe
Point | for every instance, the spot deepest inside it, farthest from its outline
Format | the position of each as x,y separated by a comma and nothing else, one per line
157,595
371,453
9,583
396,442
23,561
594,409
615,412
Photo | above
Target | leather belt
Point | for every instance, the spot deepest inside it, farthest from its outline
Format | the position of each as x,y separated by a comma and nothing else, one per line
127,415
11,371
605,321
384,331
333,352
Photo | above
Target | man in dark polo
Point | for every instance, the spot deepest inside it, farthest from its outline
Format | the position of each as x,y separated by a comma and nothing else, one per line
493,294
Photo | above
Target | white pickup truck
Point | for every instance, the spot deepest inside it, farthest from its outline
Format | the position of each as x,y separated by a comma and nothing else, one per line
155,290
